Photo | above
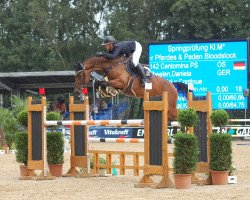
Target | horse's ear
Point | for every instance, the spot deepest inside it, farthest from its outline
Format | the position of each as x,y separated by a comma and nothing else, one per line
74,64
79,66
82,65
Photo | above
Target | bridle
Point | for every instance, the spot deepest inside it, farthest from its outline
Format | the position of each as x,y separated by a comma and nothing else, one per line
93,67
83,70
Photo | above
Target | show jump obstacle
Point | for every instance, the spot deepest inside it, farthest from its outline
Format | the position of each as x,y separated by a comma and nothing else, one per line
155,137
156,156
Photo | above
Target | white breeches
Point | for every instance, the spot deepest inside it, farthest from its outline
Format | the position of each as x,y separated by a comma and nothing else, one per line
137,53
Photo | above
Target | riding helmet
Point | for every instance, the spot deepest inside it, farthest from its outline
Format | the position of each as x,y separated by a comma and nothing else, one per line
108,40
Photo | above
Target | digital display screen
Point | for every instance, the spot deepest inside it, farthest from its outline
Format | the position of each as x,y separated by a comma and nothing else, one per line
220,67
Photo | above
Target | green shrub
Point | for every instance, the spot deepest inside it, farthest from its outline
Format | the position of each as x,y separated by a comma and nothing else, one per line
219,118
21,140
187,118
8,125
186,152
53,116
220,152
22,118
55,148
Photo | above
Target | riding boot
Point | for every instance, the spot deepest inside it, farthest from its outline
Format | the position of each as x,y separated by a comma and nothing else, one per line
141,72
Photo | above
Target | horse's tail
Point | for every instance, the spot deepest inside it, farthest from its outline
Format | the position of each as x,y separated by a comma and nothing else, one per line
182,88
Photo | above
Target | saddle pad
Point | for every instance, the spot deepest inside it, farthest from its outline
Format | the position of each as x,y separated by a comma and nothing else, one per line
132,71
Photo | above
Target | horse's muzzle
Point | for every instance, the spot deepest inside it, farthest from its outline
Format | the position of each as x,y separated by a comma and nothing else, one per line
77,91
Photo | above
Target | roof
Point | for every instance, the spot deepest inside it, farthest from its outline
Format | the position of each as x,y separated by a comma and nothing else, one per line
52,81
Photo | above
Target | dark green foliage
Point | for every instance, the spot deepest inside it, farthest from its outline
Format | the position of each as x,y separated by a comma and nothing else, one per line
220,152
206,19
55,148
187,118
219,118
22,118
186,152
53,116
21,141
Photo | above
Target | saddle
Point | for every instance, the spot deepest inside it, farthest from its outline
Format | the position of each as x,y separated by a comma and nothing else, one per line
132,71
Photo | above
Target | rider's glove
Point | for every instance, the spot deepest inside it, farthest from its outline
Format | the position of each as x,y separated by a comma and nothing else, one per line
99,54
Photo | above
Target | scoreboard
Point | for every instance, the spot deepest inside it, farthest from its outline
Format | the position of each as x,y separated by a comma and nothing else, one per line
220,67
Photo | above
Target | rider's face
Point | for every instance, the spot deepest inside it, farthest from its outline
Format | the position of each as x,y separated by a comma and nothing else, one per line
108,47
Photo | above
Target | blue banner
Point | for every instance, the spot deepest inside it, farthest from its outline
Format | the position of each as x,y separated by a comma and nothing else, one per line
110,132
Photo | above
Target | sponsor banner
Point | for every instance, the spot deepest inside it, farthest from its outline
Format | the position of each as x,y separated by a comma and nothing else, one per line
234,131
240,131
110,132
139,132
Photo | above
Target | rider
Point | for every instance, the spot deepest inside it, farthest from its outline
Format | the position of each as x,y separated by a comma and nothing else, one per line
115,48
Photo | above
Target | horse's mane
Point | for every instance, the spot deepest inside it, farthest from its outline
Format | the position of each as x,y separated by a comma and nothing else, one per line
107,59
89,57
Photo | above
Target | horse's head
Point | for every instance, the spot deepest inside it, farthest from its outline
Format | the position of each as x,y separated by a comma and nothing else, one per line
83,70
80,80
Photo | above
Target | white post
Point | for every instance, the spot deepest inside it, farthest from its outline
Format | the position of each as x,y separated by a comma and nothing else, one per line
44,141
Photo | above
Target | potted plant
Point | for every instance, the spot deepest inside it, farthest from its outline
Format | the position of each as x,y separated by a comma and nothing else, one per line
55,147
21,141
220,149
187,118
219,118
220,157
186,152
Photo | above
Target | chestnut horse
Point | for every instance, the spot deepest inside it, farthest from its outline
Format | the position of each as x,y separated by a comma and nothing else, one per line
119,78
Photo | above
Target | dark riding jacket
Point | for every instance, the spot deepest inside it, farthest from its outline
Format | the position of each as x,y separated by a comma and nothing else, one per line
121,48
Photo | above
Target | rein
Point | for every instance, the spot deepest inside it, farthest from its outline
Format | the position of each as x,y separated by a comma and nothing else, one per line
105,71
113,66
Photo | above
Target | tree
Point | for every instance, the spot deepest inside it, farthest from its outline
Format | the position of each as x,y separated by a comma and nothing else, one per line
206,19
48,35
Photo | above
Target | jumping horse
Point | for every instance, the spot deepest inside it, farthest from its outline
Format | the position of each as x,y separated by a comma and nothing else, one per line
118,77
